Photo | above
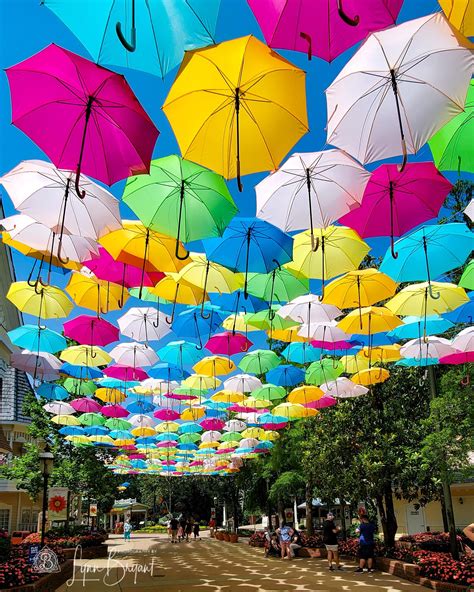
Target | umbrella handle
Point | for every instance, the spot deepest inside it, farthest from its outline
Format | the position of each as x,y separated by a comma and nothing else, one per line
92,353
176,252
64,261
432,294
402,166
352,22
80,192
133,33
465,380
308,39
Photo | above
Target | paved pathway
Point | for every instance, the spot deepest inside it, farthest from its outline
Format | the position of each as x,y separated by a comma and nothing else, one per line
150,562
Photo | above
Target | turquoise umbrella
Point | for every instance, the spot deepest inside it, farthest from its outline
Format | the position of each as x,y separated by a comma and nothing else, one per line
301,353
180,353
150,36
37,338
415,327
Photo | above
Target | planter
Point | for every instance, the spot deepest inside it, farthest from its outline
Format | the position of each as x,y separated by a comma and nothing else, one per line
48,582
311,552
219,536
86,552
226,537
234,538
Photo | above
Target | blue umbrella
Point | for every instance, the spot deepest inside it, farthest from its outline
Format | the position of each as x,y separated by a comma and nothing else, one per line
414,327
167,371
180,353
120,434
145,440
421,362
429,252
37,338
140,407
52,392
81,372
186,446
301,353
96,431
146,36
189,428
166,437
192,325
268,418
250,244
71,431
464,313
138,464
285,375
235,303
374,339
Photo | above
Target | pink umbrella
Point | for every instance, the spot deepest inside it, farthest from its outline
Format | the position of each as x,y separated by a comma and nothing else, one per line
84,117
323,402
114,411
125,373
212,424
395,202
128,447
274,426
166,444
458,358
227,450
179,397
324,28
166,414
137,456
228,343
168,463
85,405
336,345
90,330
196,463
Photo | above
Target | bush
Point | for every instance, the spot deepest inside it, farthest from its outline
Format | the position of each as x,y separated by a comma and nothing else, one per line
153,529
442,567
350,547
314,541
430,541
65,542
257,539
5,544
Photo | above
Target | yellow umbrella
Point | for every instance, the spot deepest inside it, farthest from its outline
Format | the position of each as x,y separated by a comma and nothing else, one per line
85,355
101,439
41,255
370,376
98,295
293,411
44,302
305,394
362,287
167,426
334,250
416,300
270,436
369,320
143,431
201,382
460,13
237,322
214,366
124,442
257,433
353,364
110,395
381,354
209,444
78,439
178,292
227,396
237,107
253,403
66,420
286,335
193,413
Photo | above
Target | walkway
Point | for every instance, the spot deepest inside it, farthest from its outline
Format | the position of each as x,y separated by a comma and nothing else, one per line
150,562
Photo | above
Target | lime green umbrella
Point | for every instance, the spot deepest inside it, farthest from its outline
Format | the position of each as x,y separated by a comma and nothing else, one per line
269,392
79,387
182,199
280,285
192,392
189,438
91,419
467,278
259,361
324,371
268,319
115,423
231,437
452,146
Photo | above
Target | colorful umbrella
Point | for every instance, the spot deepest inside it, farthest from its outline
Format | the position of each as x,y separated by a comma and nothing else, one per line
125,373
369,320
214,366
40,365
414,327
44,302
285,375
427,347
301,353
323,371
278,285
180,353
84,355
243,383
85,405
143,324
89,330
426,299
293,411
228,343
134,354
360,288
97,295
371,376
37,338
305,394
467,278
460,14
260,361
52,392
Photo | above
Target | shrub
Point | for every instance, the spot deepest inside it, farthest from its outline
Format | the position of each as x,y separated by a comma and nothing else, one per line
350,547
257,539
314,541
430,541
442,567
5,544
65,542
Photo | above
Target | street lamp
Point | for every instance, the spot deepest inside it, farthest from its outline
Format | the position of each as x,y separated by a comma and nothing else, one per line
46,466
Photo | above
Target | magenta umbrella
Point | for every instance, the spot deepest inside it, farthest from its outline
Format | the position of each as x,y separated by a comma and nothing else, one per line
324,28
179,397
166,414
84,117
395,202
125,373
458,358
166,444
228,343
212,423
334,346
90,330
322,403
114,411
85,405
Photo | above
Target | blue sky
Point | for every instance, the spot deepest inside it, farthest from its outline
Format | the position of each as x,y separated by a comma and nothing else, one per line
26,27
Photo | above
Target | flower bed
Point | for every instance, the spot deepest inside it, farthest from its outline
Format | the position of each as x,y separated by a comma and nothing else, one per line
257,539
17,569
66,542
442,567
429,541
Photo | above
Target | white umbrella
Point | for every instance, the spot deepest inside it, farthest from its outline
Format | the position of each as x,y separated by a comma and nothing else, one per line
242,383
326,332
166,402
40,190
37,236
309,309
59,408
430,347
464,340
134,354
343,388
41,365
144,324
156,386
311,190
141,421
401,86
235,425
211,436
250,417
469,211
247,443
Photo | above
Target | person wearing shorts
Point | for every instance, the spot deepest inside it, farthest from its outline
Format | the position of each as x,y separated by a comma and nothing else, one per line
174,530
366,544
330,531
284,534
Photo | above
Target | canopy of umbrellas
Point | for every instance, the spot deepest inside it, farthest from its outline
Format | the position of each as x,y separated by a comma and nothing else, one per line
207,399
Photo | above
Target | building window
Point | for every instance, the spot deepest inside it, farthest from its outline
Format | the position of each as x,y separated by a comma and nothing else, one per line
4,519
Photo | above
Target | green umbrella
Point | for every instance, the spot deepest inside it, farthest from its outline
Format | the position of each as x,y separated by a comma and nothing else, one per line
79,387
147,295
231,437
280,285
182,199
192,392
323,371
268,319
269,392
452,146
467,278
259,361
91,419
115,423
189,438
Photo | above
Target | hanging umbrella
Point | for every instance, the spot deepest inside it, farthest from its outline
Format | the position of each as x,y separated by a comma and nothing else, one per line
288,336
177,291
322,403
59,408
80,372
325,28
163,375
354,363
414,327
323,371
125,373
371,376
117,424
272,422
420,62
180,353
309,309
293,411
244,118
464,340
269,319
278,285
260,361
44,302
228,343
458,358
300,353
65,420
242,383
311,190
89,330
40,365
85,405
95,123
37,338
323,333
52,392
140,406
83,355
464,313
147,36
460,14
214,366
190,324
227,396
467,278
110,395
337,250
79,387
182,199
201,382
427,347
134,354
285,375
305,394
90,292
429,252
381,354
238,322
114,411
143,324
369,320
250,245
396,201
425,299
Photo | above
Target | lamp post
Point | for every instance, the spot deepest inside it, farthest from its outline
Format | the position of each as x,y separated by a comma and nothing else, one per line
46,465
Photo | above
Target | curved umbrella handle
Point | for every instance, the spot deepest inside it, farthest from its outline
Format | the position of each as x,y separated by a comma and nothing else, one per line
176,252
36,284
432,294
199,347
402,166
133,33
308,39
80,192
64,261
465,381
352,22
92,353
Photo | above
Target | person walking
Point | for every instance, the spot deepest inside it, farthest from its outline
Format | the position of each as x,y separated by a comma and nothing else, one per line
189,528
196,532
127,530
284,534
181,529
174,529
330,531
366,532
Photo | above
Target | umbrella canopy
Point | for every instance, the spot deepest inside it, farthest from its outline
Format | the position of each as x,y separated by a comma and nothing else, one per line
44,302
214,366
180,353
83,355
134,354
191,324
371,376
460,14
414,327
464,340
95,123
97,295
309,309
467,278
293,411
110,395
360,288
174,289
260,361
323,371
285,375
52,392
419,62
343,388
88,330
228,343
369,320
425,299
278,285
242,383
85,405
155,42
144,324
245,107
322,28
80,372
125,373
301,353
40,365
37,338
305,394
428,347
311,190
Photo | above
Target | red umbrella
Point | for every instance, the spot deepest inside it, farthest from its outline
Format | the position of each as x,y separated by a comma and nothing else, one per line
84,117
90,330
212,423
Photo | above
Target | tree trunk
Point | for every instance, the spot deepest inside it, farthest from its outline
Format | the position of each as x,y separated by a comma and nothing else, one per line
343,518
269,505
391,519
281,513
309,509
383,517
443,511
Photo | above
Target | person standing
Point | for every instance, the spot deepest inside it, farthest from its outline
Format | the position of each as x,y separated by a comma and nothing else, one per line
330,531
174,529
196,530
189,528
366,544
284,534
212,526
127,530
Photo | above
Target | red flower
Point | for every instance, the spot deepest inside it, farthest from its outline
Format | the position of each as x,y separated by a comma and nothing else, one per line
57,503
